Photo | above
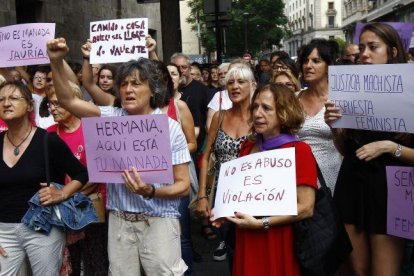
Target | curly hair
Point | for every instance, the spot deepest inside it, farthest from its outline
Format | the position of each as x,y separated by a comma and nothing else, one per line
148,71
289,111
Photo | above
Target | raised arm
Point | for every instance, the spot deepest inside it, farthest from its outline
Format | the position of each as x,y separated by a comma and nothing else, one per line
151,46
99,96
57,50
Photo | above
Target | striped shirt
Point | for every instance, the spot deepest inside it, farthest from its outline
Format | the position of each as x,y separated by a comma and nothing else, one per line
120,198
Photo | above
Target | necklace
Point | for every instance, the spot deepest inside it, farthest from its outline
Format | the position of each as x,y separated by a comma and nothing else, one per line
16,150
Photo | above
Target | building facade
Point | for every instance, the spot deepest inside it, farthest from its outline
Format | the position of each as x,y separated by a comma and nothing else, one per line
355,11
72,17
310,19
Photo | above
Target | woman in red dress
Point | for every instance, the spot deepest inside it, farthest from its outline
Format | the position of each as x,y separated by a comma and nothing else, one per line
264,245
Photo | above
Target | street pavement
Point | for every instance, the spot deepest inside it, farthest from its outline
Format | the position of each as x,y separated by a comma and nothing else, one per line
207,267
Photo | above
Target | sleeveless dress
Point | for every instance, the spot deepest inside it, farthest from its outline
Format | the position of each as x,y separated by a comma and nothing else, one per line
361,190
317,134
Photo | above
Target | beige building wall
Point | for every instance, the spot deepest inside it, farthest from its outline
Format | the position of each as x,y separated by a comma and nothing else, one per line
189,37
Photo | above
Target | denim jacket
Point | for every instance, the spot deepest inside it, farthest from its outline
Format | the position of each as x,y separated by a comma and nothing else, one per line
73,214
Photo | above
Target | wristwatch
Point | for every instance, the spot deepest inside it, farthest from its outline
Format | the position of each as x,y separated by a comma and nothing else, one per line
398,151
151,195
265,222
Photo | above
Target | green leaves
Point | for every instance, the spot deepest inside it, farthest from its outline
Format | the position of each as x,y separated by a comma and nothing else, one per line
265,26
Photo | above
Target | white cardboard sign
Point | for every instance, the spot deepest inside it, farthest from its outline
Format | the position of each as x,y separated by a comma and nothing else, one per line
259,184
118,40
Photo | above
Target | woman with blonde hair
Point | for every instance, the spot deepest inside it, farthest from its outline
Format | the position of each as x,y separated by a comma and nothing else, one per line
288,79
225,136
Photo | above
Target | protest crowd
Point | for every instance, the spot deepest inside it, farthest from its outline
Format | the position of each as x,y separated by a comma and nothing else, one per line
308,196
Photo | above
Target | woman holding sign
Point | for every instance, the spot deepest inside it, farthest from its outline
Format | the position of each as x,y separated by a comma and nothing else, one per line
228,130
143,221
265,245
361,189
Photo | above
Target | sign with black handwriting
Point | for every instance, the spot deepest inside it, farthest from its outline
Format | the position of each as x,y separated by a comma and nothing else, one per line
115,144
25,44
118,40
259,184
400,204
373,97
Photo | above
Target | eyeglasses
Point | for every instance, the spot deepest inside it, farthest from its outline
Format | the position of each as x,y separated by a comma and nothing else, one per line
280,67
288,84
39,78
11,98
184,67
54,104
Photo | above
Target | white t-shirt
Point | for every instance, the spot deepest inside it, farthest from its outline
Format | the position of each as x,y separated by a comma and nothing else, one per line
44,122
225,101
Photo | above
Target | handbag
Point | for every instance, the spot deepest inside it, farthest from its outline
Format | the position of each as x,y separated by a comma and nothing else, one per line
211,173
98,205
321,242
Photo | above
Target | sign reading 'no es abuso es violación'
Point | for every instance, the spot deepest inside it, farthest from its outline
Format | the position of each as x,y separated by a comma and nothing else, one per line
259,184
373,97
115,144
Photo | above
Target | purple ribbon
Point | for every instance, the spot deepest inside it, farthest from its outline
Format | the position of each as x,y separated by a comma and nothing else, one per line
276,141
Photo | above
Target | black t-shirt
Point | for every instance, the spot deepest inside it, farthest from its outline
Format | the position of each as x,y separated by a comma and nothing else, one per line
197,97
20,182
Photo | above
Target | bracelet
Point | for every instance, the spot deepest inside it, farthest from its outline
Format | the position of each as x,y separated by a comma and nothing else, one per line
85,57
201,197
265,222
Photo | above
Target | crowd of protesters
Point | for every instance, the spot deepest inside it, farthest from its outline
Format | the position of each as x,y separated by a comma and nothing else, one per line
232,109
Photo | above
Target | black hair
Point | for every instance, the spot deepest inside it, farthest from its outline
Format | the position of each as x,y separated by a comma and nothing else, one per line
328,50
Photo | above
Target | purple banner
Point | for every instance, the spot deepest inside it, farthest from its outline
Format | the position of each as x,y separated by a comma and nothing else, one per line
405,30
115,144
25,44
400,210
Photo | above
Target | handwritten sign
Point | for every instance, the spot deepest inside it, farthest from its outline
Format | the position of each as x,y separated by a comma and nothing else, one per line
25,44
115,144
118,40
400,210
404,30
260,184
373,97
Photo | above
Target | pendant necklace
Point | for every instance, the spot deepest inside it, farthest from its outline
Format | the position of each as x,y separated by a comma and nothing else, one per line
16,150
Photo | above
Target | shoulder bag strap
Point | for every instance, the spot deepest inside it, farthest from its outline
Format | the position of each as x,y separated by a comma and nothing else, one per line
320,176
46,154
220,120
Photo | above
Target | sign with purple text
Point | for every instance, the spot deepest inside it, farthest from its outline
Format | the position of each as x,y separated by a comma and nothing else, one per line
115,144
405,31
400,210
25,44
259,184
118,40
373,97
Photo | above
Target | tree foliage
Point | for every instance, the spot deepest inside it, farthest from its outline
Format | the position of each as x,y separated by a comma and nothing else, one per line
265,26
